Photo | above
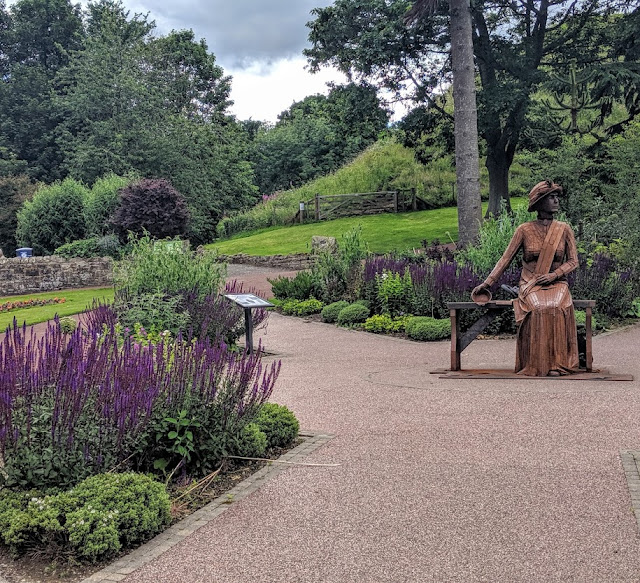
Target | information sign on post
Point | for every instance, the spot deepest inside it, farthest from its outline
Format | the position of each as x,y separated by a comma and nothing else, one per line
248,302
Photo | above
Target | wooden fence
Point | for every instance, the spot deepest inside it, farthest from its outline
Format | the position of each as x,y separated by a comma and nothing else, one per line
326,207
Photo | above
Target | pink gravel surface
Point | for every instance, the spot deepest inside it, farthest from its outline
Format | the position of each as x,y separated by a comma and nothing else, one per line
439,480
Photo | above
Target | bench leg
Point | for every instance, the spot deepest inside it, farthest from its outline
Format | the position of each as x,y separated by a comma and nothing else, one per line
588,350
455,339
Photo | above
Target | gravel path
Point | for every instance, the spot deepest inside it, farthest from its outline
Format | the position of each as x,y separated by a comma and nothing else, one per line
440,480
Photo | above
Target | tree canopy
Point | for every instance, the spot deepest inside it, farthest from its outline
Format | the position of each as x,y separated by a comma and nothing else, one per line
316,136
516,45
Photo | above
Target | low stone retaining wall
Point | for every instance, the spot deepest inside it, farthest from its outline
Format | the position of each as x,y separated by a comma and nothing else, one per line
41,274
295,261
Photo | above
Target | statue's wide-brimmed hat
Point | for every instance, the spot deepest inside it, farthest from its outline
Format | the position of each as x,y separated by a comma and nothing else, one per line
542,189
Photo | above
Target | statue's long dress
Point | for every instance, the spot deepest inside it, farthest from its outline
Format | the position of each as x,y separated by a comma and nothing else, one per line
547,337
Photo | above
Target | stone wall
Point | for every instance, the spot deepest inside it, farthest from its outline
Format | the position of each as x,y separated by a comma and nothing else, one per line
41,274
295,261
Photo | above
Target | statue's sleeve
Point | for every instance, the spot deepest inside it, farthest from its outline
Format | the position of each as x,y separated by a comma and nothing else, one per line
507,256
571,254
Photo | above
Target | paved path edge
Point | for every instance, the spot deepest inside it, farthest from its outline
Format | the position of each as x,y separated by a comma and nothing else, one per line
175,534
630,460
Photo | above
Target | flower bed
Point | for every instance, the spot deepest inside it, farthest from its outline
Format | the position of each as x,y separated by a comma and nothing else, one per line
32,303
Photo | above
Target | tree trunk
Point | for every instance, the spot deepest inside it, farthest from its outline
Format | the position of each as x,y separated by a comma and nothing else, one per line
465,123
498,165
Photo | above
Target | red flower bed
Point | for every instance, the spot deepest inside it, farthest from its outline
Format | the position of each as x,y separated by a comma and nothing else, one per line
22,304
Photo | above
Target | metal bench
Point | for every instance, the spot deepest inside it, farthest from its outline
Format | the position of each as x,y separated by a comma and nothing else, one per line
460,341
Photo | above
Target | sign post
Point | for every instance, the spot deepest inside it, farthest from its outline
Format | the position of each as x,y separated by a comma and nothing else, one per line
248,302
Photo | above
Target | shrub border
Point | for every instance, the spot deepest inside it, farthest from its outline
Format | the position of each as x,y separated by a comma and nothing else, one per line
178,532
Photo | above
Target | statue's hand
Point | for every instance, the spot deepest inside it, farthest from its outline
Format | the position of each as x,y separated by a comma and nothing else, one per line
482,287
546,278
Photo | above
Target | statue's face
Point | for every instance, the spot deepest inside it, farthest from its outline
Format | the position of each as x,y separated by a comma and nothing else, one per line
550,203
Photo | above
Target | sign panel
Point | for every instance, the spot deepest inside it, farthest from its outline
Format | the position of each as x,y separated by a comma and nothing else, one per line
249,300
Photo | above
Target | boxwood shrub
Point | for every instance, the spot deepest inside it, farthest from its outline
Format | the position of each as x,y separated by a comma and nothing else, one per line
301,307
353,314
92,521
427,328
251,442
278,423
330,313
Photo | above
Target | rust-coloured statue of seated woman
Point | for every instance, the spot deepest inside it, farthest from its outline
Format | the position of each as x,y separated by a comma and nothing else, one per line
547,341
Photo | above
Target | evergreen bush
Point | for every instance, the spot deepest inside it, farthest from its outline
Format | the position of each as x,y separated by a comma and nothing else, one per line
250,442
301,307
93,521
427,328
353,314
278,423
53,217
300,287
68,325
330,313
102,201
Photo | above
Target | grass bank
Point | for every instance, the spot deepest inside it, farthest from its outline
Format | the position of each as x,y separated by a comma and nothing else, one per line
382,233
76,301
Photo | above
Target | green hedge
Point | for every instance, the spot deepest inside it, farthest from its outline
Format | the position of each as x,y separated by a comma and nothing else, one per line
426,328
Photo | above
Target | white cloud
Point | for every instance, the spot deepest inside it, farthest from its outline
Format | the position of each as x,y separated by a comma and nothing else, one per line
263,92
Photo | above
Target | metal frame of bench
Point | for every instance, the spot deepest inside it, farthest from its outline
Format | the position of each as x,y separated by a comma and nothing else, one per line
460,341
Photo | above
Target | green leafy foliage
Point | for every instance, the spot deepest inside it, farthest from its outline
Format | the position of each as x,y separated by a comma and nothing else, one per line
293,307
105,246
156,311
495,235
53,217
153,207
316,136
37,43
278,423
68,325
167,267
250,442
384,323
330,313
337,273
581,320
94,520
425,328
300,287
102,201
395,293
355,313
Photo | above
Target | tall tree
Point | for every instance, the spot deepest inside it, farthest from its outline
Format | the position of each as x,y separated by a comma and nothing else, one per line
465,115
156,107
512,42
35,45
192,83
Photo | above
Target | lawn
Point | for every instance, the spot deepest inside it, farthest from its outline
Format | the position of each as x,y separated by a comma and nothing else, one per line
76,301
383,233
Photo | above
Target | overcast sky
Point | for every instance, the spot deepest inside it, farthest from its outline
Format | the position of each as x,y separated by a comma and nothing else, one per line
258,42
